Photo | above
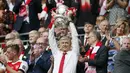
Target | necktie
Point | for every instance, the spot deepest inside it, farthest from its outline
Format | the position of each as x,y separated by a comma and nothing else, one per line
85,42
62,63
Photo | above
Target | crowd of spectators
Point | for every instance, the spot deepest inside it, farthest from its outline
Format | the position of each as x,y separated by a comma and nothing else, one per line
54,43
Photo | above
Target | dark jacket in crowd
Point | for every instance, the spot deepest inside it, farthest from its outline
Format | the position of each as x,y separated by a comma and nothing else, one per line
35,7
42,65
100,61
122,62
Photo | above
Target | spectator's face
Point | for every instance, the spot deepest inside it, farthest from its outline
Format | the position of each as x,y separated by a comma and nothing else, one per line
39,47
9,37
99,19
37,51
10,53
103,26
63,32
120,30
126,43
65,44
88,28
57,31
32,38
45,36
41,44
91,39
41,30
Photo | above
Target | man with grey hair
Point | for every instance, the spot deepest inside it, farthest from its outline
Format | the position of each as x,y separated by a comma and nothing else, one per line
33,36
39,60
122,59
103,27
9,36
65,52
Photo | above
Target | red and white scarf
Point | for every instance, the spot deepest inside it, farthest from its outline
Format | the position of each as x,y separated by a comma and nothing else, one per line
91,55
24,10
85,5
43,14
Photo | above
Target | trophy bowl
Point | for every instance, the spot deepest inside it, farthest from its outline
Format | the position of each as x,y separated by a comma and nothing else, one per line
61,21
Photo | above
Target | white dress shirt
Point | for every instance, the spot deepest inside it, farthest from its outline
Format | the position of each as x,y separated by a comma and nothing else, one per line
71,58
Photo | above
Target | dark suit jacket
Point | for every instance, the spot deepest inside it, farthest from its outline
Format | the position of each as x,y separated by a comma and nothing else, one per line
35,7
42,65
122,62
100,60
104,41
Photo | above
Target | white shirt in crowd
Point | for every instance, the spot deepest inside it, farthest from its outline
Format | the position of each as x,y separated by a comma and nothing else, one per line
71,58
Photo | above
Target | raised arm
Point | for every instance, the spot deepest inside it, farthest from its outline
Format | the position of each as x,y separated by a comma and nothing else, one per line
123,3
109,4
74,34
52,40
17,6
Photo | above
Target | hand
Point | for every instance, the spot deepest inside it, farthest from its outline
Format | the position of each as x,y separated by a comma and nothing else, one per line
52,59
32,57
86,59
3,59
107,35
81,59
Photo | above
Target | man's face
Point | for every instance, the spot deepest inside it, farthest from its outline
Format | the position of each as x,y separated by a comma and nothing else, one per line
41,44
41,30
65,45
103,26
63,32
45,36
91,39
37,51
126,43
10,53
32,38
88,28
39,47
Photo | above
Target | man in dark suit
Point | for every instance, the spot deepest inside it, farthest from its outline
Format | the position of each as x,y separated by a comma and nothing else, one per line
27,15
122,59
33,36
39,61
96,56
103,26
